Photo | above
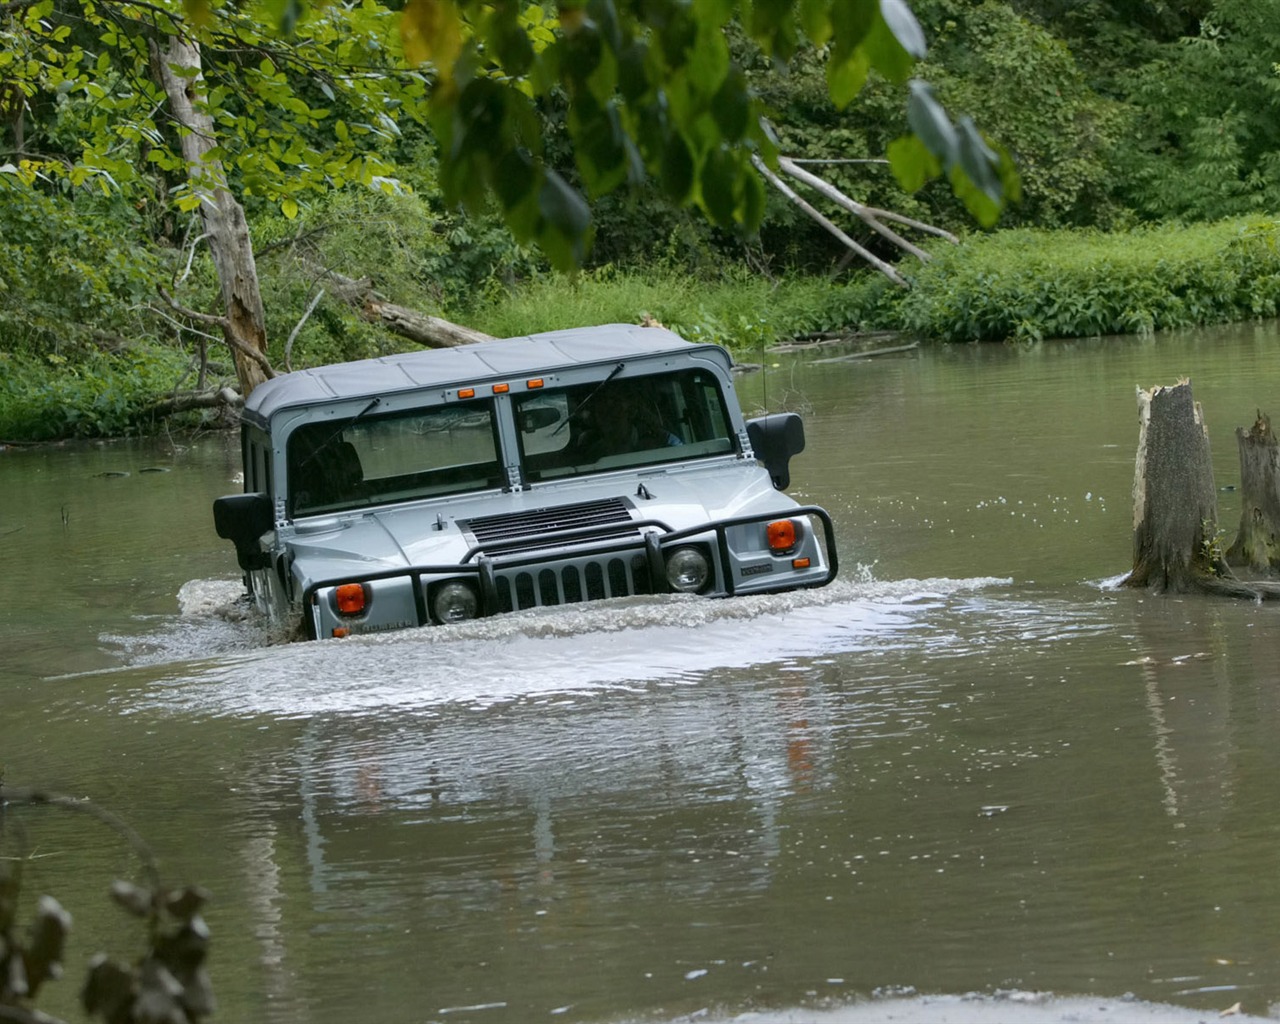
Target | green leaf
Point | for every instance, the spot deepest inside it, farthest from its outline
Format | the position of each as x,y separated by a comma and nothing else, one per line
815,20
885,50
906,30
731,107
846,76
716,184
676,172
851,20
978,160
912,163
566,221
563,206
930,122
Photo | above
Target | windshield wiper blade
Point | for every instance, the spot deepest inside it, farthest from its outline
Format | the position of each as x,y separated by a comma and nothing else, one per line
586,401
324,445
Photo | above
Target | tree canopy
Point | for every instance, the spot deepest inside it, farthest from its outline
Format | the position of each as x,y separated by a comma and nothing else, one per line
307,97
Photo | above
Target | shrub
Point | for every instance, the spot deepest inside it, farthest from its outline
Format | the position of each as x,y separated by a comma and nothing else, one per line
1041,284
96,395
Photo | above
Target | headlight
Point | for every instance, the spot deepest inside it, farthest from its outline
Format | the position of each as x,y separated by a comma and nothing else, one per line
454,602
687,570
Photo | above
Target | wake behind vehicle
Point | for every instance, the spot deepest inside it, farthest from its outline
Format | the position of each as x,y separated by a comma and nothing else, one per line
441,485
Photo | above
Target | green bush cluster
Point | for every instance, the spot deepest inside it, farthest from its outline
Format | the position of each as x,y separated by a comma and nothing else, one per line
1030,285
97,395
69,270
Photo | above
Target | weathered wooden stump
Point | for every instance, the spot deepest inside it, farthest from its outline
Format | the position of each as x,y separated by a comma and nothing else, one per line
1175,507
1257,543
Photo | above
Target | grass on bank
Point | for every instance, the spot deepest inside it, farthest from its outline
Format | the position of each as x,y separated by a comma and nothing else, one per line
741,312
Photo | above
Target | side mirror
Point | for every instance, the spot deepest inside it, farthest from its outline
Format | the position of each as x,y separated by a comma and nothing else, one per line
774,439
243,519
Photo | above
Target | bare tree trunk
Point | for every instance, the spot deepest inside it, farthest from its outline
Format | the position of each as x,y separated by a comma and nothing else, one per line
244,325
1175,508
1257,544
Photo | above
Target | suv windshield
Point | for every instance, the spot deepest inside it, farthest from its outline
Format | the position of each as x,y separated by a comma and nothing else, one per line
446,450
621,423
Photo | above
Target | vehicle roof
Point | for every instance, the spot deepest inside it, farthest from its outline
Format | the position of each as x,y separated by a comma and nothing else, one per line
529,354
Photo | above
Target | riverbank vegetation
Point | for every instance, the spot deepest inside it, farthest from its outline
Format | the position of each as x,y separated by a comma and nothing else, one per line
1145,135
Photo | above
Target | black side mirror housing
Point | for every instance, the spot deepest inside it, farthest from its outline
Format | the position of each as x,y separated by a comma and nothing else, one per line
774,439
242,519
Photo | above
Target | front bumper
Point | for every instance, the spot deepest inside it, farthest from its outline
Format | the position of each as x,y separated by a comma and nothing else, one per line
585,565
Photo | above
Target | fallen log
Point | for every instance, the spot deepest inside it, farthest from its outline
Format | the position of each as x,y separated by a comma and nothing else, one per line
1257,543
187,401
425,330
1175,508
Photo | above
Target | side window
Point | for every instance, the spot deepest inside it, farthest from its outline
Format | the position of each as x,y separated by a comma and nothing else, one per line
257,462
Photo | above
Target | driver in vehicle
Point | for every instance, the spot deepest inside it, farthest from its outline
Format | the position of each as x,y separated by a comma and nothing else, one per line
623,418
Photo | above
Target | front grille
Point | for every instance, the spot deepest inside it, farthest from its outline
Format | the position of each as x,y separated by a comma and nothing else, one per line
513,525
568,583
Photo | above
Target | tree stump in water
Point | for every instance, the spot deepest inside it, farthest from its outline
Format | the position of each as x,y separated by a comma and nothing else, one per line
1175,508
1257,544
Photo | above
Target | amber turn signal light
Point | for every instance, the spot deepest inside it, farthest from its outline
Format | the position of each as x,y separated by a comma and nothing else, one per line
350,598
781,535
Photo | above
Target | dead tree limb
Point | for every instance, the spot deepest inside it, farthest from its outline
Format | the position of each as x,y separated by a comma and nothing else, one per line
231,338
862,251
408,323
1175,510
293,334
871,216
1257,543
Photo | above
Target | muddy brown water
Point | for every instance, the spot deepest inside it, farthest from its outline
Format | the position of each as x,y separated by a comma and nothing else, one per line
969,781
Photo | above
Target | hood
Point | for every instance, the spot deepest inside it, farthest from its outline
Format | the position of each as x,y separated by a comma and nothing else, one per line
440,532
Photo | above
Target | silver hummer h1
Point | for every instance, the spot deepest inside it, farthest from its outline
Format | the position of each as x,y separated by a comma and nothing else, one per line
441,485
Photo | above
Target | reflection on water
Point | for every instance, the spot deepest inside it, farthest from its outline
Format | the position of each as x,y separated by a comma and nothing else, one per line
972,767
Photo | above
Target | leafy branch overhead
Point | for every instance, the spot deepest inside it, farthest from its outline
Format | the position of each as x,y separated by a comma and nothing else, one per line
652,90
305,97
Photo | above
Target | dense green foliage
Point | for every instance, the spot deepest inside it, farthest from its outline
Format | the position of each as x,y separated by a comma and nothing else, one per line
96,394
1033,284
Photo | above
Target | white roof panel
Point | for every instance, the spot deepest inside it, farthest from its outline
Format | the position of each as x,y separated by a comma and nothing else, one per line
465,364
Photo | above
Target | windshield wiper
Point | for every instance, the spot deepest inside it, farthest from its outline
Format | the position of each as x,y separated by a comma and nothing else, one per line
586,401
324,445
